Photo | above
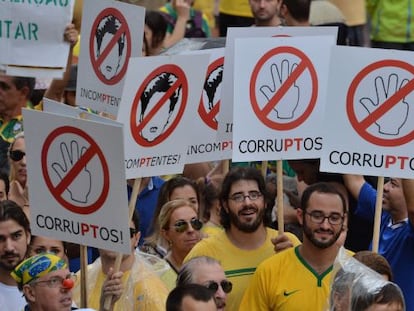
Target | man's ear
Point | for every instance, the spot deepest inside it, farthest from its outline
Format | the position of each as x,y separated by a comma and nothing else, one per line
225,206
29,293
25,91
283,10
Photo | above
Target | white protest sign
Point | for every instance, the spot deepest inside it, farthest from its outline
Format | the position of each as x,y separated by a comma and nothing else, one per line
369,121
31,35
225,117
53,106
77,183
159,109
112,32
204,146
279,91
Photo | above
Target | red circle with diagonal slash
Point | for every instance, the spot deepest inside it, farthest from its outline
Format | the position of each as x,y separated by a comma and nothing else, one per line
361,126
209,116
58,190
262,113
124,29
136,126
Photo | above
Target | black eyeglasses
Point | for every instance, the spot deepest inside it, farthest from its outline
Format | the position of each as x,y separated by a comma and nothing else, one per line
17,155
319,217
56,281
227,286
240,197
132,232
182,225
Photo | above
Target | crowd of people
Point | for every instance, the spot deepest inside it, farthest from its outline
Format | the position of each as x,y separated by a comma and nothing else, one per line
207,239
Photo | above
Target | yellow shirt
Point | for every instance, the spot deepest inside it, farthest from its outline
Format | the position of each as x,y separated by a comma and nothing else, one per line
286,282
238,264
353,10
235,7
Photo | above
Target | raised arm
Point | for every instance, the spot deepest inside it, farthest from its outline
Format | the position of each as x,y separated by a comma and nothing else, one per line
354,184
183,15
57,87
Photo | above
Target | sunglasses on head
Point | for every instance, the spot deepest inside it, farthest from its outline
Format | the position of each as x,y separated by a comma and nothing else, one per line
17,155
182,225
227,286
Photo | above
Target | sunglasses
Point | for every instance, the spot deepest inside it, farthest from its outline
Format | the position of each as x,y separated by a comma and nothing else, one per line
17,155
182,225
227,286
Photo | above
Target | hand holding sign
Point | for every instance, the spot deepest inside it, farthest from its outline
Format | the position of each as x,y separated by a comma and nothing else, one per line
391,122
70,158
286,107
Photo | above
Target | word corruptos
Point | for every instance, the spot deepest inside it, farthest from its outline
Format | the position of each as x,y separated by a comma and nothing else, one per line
79,228
278,145
371,160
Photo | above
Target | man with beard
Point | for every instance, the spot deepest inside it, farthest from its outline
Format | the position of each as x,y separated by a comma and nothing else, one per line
266,12
14,240
299,278
246,241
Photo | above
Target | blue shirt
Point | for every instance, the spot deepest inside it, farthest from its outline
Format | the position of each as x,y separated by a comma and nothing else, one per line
396,243
145,206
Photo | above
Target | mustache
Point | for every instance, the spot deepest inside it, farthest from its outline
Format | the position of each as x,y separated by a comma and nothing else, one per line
9,254
248,208
324,231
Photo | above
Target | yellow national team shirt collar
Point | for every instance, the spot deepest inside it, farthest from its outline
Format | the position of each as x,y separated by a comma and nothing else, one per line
319,277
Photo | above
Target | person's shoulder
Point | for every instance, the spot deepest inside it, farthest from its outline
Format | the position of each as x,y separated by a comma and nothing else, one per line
277,260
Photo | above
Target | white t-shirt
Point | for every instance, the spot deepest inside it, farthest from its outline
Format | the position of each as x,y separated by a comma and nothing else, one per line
11,299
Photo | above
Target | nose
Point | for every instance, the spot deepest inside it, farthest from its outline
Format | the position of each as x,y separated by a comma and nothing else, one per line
220,293
9,245
325,223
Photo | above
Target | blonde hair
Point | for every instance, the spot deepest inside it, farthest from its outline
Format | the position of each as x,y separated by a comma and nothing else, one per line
163,220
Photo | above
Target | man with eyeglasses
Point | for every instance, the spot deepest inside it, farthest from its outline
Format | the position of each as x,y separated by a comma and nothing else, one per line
142,288
47,284
300,278
246,241
208,272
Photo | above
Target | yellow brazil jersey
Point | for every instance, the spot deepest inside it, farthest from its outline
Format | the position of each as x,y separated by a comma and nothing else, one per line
235,7
238,264
286,282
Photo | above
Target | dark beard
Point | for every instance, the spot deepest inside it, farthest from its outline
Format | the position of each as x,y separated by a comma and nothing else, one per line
247,227
319,244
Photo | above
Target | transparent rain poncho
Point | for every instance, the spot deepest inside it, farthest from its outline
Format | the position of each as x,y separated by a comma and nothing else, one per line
356,287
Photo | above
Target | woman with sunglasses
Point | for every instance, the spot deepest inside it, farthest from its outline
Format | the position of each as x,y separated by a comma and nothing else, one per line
175,188
18,173
179,227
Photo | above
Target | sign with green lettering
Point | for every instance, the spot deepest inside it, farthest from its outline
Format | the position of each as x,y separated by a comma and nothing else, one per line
31,32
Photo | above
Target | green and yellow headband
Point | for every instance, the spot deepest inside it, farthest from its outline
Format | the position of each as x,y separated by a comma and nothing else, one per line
37,266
